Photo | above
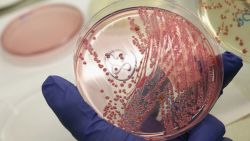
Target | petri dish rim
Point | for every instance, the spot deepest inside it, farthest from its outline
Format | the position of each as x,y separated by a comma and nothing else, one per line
121,6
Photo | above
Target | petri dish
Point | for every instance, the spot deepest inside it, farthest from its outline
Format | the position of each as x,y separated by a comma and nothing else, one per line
41,29
229,21
145,67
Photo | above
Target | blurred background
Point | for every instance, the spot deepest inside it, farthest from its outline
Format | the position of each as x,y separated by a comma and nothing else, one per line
24,114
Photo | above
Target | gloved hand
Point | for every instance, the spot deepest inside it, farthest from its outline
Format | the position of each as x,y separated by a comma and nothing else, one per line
85,125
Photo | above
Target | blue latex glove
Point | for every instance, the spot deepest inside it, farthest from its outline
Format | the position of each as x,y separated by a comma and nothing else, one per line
85,125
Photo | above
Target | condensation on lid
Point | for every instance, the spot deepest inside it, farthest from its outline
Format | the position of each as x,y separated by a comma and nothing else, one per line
42,29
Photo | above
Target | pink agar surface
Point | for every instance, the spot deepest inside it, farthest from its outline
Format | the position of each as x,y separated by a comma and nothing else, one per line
148,71
42,29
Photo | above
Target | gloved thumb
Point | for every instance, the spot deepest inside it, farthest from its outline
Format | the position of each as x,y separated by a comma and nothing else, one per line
77,116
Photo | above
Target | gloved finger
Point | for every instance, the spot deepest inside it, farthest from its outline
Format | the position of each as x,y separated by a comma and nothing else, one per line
210,129
232,64
77,116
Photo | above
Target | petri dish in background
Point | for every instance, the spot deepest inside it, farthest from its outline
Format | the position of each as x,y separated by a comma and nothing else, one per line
147,68
229,21
41,29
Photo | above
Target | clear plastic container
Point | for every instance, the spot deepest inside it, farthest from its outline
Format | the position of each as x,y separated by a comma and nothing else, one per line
145,68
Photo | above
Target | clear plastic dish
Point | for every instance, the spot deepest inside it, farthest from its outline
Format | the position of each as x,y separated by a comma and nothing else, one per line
229,21
145,68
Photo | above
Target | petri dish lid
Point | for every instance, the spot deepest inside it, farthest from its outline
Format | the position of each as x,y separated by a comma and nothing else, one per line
148,67
42,29
229,22
8,3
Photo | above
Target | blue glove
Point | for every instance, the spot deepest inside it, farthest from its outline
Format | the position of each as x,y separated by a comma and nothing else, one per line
85,125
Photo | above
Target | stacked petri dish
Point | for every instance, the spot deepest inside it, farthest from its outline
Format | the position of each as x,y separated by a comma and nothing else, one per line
148,67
